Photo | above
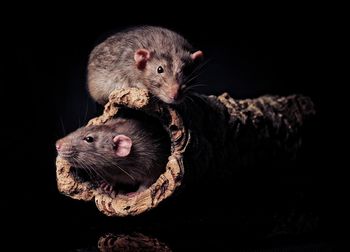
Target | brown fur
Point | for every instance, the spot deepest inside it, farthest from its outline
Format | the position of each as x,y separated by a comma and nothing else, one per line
146,161
112,65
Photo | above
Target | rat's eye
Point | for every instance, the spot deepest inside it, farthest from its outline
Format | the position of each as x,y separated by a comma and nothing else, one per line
89,139
160,70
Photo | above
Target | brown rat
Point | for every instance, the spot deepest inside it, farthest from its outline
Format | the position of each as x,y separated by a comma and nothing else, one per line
126,153
150,57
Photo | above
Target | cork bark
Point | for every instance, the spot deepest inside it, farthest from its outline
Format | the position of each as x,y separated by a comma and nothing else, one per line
210,134
133,242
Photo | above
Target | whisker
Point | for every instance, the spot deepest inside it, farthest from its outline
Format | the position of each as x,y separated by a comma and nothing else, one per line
192,87
99,174
202,98
86,110
199,67
190,99
88,170
188,80
115,165
128,174
62,125
198,85
92,172
74,172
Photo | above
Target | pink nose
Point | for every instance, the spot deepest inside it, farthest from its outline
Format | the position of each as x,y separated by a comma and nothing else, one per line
174,93
58,146
174,96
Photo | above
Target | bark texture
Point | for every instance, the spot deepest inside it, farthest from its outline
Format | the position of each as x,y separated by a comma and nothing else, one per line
210,136
134,242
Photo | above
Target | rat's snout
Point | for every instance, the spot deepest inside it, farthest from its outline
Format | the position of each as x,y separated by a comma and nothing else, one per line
174,92
170,93
64,149
61,146
58,145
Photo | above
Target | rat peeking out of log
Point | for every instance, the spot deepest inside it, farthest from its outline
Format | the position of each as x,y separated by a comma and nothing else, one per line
217,134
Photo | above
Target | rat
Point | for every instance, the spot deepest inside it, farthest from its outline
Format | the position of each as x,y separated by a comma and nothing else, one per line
124,155
150,57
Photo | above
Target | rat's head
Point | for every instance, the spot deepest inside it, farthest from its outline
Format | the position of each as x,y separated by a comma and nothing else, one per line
94,146
166,74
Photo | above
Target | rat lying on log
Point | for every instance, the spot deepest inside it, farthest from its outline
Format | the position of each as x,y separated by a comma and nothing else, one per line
150,57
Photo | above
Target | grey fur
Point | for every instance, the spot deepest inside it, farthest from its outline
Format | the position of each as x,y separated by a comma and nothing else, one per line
144,164
112,65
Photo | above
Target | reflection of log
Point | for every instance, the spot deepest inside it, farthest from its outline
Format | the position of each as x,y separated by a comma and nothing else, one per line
211,137
134,242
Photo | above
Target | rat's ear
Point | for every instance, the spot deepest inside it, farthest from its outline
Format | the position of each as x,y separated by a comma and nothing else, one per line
141,56
122,145
197,55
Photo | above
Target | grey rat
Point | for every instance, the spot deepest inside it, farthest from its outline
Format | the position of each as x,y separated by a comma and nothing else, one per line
123,153
150,57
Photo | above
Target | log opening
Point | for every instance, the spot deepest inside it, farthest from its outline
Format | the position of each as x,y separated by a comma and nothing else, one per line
213,135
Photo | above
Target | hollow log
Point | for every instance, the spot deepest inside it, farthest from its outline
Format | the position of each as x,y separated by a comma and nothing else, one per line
210,136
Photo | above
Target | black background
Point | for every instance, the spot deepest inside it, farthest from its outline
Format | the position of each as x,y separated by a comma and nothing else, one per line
43,62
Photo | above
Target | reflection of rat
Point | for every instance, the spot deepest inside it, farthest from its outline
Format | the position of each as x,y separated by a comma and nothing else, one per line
148,57
127,154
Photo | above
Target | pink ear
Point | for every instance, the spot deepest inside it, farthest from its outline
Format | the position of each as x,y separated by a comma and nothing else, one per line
123,145
141,56
197,55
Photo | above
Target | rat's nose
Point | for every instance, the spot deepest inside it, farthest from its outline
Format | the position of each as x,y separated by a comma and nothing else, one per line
58,146
174,96
174,92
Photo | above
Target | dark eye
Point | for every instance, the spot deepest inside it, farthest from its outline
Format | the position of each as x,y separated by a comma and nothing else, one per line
160,70
89,139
